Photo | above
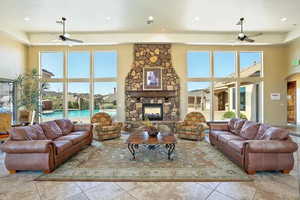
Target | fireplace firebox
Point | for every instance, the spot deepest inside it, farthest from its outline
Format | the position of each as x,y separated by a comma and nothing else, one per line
153,111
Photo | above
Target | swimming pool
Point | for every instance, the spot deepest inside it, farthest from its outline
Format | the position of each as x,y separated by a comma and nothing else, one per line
77,114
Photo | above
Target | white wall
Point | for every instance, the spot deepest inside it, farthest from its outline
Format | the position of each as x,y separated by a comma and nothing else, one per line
13,57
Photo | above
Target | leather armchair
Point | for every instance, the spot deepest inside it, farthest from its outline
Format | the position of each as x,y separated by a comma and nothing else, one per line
104,128
192,127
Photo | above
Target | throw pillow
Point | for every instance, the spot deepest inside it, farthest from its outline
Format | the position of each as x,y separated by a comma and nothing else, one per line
274,133
231,124
38,132
51,130
261,131
22,133
238,126
65,125
249,130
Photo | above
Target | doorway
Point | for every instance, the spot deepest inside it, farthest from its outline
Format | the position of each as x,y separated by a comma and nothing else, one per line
291,102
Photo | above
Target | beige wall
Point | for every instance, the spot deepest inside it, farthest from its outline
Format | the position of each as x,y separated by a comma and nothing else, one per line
274,65
293,52
13,57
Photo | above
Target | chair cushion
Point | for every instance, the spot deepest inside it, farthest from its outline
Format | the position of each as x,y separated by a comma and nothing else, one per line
109,128
51,130
238,126
224,138
73,138
188,128
237,145
194,118
65,125
62,145
249,130
102,118
261,131
274,133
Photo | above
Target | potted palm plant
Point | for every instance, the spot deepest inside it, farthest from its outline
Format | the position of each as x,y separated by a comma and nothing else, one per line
30,87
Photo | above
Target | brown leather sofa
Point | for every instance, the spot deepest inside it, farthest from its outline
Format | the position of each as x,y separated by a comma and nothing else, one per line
253,146
44,146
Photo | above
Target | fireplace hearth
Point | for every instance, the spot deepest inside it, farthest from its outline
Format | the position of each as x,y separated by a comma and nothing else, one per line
152,111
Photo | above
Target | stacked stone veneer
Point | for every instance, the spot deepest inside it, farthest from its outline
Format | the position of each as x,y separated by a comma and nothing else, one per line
152,55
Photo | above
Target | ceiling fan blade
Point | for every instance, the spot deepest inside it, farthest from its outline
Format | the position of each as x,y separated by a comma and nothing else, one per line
238,23
255,35
249,40
74,40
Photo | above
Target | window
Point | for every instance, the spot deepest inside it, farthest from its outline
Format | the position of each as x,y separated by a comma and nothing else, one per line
222,74
243,98
79,65
250,64
198,64
105,98
250,98
78,102
199,98
105,64
224,100
224,64
52,64
77,99
52,102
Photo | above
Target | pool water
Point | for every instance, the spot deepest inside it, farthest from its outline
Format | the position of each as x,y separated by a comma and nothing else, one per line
76,113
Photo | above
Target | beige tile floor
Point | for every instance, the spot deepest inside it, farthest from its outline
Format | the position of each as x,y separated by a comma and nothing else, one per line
267,185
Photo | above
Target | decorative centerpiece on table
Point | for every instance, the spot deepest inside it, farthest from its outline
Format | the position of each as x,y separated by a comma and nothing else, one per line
151,129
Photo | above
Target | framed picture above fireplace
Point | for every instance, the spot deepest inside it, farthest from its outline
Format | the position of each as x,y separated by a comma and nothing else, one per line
152,78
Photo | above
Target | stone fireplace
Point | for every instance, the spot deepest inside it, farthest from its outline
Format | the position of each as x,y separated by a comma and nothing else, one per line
153,111
165,100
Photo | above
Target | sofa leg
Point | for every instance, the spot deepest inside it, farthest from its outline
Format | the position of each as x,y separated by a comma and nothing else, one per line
286,171
251,172
12,171
47,171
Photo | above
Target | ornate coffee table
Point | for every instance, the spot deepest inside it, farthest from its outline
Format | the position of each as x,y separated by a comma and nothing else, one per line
142,138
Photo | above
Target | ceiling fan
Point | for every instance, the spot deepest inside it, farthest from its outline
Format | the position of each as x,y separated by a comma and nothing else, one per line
65,37
242,36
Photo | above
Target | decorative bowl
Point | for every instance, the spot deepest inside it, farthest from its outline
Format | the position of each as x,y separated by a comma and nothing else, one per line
152,131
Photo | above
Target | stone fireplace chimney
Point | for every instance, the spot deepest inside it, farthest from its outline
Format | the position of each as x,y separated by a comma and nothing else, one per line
148,56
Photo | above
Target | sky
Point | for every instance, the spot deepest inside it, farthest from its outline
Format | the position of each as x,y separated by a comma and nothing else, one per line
106,66
78,67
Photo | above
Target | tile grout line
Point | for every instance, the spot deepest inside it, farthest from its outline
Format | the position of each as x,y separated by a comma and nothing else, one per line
36,187
82,191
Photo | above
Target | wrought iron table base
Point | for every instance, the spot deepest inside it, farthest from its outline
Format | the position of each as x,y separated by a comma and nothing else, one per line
169,147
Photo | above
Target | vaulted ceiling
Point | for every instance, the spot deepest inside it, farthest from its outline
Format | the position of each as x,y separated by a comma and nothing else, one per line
35,19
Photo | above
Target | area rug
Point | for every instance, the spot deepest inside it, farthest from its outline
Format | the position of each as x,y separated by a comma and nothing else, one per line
111,161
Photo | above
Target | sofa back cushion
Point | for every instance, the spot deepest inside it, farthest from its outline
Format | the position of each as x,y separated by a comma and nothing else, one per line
274,133
22,133
65,125
238,126
249,130
261,131
38,131
231,124
51,130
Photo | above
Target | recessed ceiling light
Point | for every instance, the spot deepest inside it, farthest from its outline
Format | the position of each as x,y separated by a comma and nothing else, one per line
283,19
108,18
26,19
196,18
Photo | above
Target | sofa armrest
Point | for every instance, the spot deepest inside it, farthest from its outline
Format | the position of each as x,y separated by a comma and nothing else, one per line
27,146
270,146
219,126
180,123
82,127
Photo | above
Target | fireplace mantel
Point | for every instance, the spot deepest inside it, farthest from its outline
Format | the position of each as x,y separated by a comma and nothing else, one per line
149,94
